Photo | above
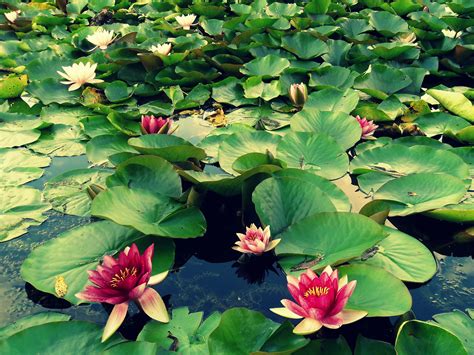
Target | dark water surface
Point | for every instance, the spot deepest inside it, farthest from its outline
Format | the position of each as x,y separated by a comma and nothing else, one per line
208,276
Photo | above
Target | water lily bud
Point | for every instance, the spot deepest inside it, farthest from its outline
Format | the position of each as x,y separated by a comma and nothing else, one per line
298,94
93,190
156,125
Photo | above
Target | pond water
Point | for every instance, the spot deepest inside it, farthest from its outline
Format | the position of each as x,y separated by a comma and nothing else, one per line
209,276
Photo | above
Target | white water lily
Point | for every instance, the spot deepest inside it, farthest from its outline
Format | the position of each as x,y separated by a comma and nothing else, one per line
12,16
451,33
186,21
79,74
408,37
101,38
163,49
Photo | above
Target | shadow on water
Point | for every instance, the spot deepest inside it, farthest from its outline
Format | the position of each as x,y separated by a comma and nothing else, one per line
209,276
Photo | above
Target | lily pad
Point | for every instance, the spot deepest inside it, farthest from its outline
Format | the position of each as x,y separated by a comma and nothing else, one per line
192,333
76,337
20,166
341,126
335,237
314,152
403,256
20,207
282,201
169,147
67,193
238,144
147,172
425,338
455,102
304,45
61,141
100,148
32,321
240,331
421,192
268,66
460,324
150,213
392,299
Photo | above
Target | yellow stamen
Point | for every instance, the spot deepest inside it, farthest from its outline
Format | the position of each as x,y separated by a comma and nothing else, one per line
60,286
316,291
122,275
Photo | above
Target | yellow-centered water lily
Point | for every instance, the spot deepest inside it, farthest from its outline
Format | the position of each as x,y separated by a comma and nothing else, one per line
79,74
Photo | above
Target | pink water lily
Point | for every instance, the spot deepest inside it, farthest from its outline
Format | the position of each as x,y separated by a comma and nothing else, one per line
159,125
320,301
368,127
119,281
255,241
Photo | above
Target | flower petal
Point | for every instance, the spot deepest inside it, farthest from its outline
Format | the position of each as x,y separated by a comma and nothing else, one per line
272,244
153,305
351,316
115,320
156,279
285,312
307,326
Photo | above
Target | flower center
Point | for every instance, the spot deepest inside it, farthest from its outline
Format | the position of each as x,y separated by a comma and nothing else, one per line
122,275
316,291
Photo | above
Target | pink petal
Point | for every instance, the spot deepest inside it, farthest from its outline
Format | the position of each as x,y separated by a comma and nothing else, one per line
332,322
137,291
342,297
115,320
153,305
295,308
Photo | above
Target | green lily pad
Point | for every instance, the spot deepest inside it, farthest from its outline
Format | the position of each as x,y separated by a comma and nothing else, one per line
240,331
370,346
150,213
387,24
304,45
51,90
436,123
100,148
332,76
455,102
20,207
282,201
391,299
61,141
403,256
19,166
147,172
342,127
417,337
336,195
169,147
314,152
230,91
76,337
9,139
72,260
335,237
333,100
460,324
268,66
67,193
382,81
398,160
283,341
238,144
32,321
192,333
421,192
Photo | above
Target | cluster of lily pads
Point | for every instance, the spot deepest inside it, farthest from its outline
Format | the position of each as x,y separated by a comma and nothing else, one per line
177,102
